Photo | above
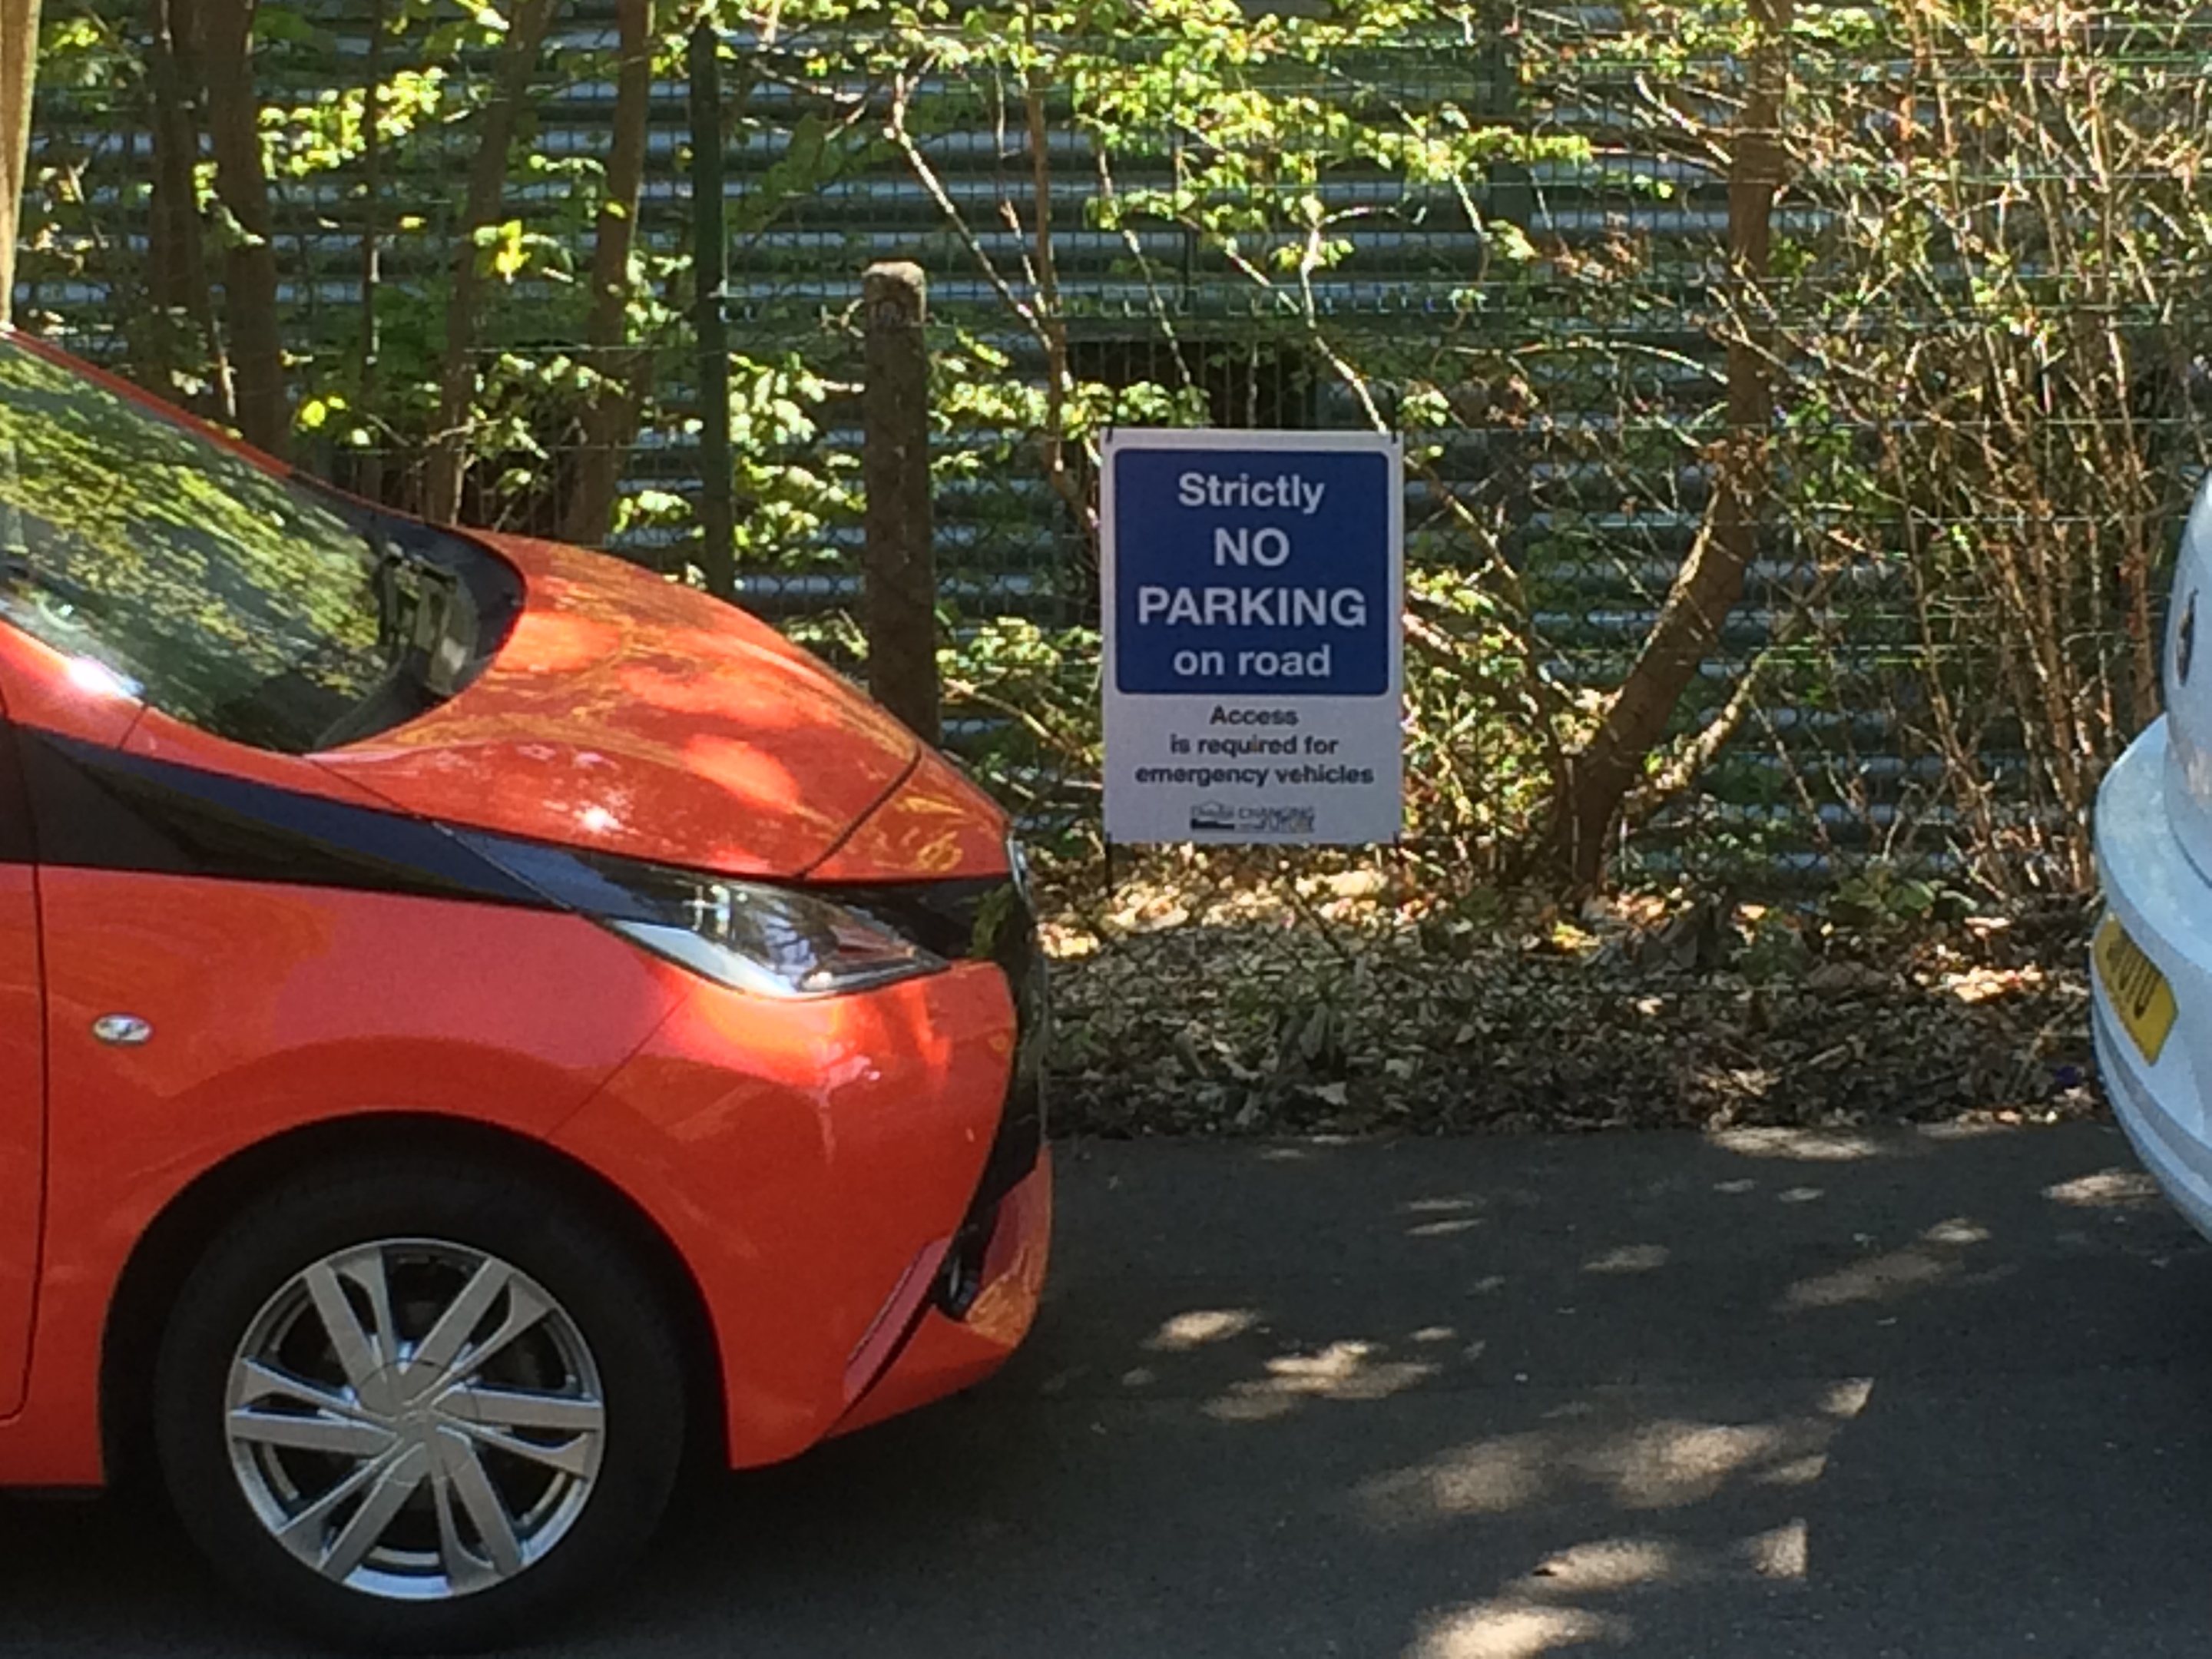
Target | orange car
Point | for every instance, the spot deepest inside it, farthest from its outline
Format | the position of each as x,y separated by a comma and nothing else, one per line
477,1024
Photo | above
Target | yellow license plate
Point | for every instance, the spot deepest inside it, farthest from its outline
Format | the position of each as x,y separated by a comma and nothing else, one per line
2139,993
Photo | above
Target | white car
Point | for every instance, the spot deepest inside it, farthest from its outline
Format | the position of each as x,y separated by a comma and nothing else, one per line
2152,960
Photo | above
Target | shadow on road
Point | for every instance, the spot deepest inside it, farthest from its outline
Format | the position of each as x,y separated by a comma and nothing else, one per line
1770,1393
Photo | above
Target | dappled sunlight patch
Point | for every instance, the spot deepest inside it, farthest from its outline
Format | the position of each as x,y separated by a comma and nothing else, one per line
1064,944
1616,1567
1200,1326
1347,1370
1670,1464
1876,1279
1780,1553
1629,1259
1608,1564
1620,1565
1798,1471
556,642
1491,1477
1510,1630
757,779
1513,1629
1848,1398
1957,1231
1653,1465
1528,1617
1659,1464
1983,983
2114,1188
1804,1145
1895,1273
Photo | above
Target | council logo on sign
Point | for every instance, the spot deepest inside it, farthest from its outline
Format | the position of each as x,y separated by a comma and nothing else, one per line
1253,587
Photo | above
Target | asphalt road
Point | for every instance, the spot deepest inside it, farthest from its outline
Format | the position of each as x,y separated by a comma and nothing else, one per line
1766,1396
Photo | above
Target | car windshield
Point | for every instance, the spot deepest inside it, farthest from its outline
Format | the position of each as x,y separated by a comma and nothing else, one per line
238,600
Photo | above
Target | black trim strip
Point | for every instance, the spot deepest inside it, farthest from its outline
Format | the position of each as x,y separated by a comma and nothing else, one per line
17,844
1022,1127
92,808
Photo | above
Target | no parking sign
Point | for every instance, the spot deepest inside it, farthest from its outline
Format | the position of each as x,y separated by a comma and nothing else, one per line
1253,585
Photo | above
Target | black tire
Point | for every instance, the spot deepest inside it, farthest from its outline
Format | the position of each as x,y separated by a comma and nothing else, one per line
583,1265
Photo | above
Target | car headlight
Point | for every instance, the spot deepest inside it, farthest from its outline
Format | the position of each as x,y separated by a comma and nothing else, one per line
772,941
777,942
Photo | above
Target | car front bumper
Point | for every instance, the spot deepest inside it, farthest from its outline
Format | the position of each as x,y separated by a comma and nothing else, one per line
2166,905
947,1347
854,1184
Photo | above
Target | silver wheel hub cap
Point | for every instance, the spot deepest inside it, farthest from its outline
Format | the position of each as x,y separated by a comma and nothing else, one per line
416,1419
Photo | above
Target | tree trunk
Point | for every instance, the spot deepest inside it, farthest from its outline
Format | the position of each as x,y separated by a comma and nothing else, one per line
176,255
19,72
249,278
494,135
611,416
1712,579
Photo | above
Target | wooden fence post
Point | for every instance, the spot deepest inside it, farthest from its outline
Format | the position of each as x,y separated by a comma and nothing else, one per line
899,579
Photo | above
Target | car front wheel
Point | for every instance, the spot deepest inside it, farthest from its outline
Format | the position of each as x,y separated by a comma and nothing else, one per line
418,1405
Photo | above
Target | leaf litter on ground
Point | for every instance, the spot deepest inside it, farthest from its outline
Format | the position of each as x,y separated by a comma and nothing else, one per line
1202,998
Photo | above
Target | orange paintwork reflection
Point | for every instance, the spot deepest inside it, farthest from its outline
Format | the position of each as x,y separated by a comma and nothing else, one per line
157,737
546,643
938,825
944,1357
1014,1265
45,689
678,730
799,1154
756,777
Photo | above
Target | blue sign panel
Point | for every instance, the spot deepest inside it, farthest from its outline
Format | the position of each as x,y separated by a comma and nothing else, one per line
1244,571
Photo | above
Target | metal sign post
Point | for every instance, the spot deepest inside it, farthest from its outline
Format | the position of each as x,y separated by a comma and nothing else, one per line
1253,587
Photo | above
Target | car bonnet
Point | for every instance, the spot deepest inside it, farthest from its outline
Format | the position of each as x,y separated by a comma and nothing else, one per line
637,717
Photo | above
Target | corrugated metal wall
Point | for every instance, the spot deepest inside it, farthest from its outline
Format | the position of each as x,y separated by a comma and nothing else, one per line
1590,470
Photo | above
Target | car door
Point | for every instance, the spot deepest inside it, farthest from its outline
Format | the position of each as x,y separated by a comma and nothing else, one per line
42,694
23,1074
